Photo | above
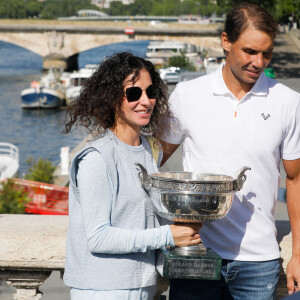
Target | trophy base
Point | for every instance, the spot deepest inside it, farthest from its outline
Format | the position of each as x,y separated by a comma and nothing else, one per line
205,265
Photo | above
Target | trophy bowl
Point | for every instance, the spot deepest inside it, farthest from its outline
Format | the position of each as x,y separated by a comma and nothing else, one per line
186,197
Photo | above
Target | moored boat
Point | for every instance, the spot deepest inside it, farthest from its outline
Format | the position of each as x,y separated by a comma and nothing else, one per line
77,80
48,93
158,52
41,97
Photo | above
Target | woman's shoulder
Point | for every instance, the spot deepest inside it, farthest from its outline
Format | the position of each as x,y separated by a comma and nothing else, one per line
91,164
102,144
89,157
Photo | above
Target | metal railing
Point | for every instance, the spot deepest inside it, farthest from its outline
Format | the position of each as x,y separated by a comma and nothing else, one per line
10,150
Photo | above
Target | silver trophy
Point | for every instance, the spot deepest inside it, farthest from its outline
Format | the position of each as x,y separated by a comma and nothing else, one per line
188,197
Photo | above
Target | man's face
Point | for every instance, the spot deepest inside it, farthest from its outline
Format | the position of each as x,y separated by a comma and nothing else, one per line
249,55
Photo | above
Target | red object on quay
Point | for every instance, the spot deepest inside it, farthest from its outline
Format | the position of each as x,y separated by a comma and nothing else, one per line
129,30
47,199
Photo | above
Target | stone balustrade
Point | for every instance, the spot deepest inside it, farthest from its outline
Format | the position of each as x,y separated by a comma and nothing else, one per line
32,246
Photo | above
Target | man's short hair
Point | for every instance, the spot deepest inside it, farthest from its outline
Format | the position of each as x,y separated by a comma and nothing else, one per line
247,15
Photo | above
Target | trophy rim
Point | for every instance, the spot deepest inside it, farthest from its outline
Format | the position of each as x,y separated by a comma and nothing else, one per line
165,176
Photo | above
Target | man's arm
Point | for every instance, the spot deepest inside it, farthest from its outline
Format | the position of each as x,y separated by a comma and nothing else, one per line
292,168
168,150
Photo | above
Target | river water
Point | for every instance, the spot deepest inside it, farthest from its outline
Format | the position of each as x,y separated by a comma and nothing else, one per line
36,132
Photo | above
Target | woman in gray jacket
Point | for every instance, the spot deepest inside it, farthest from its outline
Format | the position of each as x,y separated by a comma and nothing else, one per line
113,230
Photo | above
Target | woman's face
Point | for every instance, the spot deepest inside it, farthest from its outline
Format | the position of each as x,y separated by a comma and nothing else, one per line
136,113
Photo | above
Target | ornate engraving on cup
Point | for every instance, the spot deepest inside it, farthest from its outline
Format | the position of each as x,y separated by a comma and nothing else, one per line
193,187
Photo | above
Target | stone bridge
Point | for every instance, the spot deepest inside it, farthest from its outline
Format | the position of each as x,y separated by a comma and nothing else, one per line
59,45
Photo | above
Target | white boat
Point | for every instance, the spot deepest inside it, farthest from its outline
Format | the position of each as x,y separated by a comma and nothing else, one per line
77,80
9,160
49,92
158,52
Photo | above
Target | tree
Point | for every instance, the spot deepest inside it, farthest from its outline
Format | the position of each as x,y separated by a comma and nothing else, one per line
286,9
16,9
33,8
181,61
53,9
140,7
117,9
229,4
12,199
40,170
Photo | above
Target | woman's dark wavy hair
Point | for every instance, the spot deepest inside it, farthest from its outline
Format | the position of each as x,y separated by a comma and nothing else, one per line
103,93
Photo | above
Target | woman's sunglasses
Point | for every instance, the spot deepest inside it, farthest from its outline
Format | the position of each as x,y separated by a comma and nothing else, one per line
134,93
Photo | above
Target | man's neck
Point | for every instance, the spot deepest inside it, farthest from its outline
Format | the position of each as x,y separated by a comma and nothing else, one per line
237,88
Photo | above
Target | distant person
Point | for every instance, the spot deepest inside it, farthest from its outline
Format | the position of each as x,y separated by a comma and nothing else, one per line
113,230
234,117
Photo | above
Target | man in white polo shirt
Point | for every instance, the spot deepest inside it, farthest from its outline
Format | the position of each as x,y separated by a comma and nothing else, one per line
232,118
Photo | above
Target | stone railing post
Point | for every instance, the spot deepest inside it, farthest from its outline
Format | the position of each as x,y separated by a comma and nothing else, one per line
25,282
31,246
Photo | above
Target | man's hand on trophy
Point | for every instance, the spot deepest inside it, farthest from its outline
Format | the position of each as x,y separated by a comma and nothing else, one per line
186,234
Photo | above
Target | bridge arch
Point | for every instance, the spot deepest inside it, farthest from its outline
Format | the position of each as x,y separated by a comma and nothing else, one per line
60,46
97,54
17,57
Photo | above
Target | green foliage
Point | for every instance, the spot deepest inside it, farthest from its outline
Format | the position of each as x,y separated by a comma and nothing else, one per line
118,9
287,8
182,62
52,9
163,8
33,8
267,4
40,170
12,9
12,199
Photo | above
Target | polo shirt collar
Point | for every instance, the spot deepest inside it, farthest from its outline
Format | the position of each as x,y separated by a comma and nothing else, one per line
260,87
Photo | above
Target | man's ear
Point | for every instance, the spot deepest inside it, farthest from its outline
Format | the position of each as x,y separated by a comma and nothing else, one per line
225,42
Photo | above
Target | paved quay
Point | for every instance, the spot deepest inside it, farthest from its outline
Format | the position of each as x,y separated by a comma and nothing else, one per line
286,59
286,62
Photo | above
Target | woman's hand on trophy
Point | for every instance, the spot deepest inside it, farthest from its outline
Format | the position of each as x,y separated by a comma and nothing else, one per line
186,234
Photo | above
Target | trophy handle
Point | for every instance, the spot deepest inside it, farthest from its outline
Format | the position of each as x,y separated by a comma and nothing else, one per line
241,177
144,177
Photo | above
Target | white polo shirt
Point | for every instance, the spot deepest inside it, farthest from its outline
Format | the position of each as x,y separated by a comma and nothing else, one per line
221,134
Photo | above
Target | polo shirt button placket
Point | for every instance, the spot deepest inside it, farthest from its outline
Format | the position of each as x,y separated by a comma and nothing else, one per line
236,109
